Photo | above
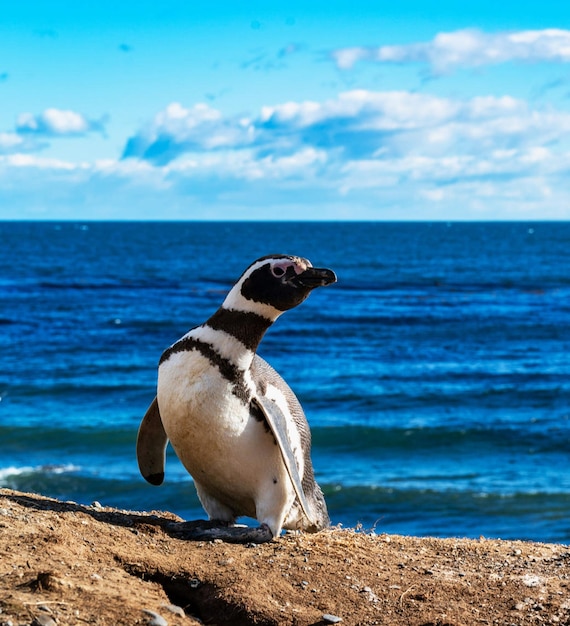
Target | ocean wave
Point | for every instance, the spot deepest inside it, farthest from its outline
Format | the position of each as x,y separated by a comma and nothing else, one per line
368,494
376,440
8,473
449,513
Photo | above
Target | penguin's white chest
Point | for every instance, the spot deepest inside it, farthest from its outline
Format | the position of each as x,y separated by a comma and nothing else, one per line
198,408
212,432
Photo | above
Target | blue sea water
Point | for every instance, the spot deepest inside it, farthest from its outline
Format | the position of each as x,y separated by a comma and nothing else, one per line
435,374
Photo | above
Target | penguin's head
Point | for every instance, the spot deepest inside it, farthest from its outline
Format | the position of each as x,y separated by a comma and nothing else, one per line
277,283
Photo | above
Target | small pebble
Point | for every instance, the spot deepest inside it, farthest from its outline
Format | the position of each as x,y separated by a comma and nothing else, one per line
331,619
96,505
43,620
174,609
154,619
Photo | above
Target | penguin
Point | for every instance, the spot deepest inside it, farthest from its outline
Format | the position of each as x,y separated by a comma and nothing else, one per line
234,423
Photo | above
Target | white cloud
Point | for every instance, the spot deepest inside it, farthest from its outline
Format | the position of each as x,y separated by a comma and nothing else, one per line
15,143
362,110
375,148
56,122
10,142
467,48
357,125
246,165
363,124
479,157
19,160
177,130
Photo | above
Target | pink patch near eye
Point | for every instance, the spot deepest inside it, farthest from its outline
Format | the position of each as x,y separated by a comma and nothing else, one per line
279,268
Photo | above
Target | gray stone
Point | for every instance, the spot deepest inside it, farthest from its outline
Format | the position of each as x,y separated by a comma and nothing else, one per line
43,620
174,609
155,619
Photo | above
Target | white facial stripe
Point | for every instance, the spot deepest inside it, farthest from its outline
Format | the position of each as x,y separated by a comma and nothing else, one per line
234,300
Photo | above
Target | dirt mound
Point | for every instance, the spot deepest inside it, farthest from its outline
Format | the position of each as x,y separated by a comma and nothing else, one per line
63,563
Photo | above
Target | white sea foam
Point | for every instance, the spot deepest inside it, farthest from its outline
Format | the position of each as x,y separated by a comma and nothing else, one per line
10,472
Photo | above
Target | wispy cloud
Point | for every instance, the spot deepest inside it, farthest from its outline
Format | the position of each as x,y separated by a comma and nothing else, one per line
264,59
57,123
14,143
466,48
10,142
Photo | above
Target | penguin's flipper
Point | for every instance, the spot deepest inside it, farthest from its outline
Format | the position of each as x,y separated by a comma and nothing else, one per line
277,422
151,445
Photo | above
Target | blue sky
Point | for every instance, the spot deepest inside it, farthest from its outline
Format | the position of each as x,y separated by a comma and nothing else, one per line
313,110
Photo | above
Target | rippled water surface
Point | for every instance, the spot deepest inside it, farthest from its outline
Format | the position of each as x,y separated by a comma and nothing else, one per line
435,374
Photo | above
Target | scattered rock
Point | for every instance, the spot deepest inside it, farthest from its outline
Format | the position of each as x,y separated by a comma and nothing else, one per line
531,580
177,610
42,619
100,572
370,595
154,619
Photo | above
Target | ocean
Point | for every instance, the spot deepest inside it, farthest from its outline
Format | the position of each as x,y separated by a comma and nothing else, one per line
435,374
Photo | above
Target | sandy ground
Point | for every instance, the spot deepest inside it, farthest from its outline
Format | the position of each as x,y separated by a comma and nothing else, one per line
63,563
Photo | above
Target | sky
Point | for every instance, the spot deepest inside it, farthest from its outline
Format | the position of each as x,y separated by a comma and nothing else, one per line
339,110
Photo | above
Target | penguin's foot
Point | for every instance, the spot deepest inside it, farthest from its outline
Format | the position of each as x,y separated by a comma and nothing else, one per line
202,530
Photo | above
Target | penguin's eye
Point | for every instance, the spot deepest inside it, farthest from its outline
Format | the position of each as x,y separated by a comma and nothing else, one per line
277,271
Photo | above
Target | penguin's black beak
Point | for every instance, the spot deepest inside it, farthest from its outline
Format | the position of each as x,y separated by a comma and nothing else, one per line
314,277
